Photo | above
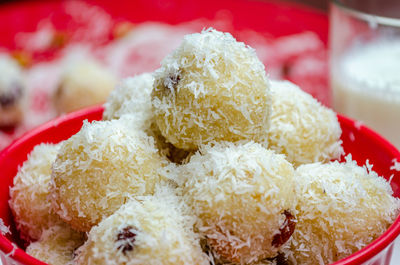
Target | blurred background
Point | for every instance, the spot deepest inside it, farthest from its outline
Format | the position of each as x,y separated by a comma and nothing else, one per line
320,4
66,55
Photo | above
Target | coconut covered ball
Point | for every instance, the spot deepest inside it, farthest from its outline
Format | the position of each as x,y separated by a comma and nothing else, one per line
341,208
301,128
211,88
12,92
132,96
243,196
149,230
83,84
100,168
56,246
29,200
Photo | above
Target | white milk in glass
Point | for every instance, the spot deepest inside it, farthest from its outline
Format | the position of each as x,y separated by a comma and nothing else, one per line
366,86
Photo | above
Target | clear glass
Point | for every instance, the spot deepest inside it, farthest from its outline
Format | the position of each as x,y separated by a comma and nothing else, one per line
365,63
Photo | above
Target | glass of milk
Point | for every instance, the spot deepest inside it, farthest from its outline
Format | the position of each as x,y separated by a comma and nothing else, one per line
365,63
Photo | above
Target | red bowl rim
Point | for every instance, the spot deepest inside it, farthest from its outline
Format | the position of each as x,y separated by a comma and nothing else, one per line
371,250
390,235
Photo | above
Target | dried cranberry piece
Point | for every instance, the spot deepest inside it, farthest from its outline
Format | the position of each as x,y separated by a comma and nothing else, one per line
285,231
172,80
126,239
175,80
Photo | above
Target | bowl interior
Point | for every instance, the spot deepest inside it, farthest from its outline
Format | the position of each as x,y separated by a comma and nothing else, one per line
358,140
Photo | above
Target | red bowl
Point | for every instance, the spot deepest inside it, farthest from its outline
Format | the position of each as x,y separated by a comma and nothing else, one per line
358,140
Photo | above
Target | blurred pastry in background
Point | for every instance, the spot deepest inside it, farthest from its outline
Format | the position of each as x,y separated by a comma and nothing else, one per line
83,84
122,29
12,92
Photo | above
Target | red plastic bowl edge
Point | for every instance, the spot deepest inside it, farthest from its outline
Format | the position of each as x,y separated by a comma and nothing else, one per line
357,258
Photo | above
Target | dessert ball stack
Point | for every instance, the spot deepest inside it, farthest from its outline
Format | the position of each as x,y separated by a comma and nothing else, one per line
203,161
